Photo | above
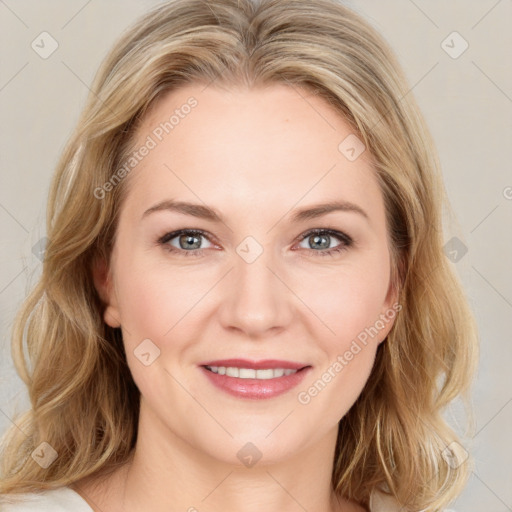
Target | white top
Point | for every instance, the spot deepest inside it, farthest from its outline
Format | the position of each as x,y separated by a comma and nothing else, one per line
65,499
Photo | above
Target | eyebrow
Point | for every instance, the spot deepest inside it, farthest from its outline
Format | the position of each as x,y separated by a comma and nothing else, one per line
299,215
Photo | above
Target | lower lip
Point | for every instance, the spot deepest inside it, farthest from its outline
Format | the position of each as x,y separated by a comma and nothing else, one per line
256,389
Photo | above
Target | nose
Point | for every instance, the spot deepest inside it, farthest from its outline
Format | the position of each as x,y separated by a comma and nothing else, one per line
257,301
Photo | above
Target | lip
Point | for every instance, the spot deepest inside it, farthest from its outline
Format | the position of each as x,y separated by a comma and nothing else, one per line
256,389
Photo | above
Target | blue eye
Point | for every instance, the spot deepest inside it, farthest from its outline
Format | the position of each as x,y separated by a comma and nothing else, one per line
189,242
321,239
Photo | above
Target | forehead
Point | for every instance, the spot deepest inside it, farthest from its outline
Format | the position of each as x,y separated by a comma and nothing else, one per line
245,148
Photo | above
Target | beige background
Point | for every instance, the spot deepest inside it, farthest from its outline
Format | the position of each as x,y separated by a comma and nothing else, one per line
467,102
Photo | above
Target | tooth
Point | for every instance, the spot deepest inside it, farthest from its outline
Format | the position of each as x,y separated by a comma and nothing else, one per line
264,374
249,373
246,373
232,372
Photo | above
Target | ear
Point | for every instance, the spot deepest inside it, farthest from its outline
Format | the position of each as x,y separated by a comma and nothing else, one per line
390,308
104,286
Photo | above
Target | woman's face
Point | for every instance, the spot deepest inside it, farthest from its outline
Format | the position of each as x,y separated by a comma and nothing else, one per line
244,174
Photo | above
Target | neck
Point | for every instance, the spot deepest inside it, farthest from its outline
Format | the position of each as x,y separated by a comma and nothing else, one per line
167,473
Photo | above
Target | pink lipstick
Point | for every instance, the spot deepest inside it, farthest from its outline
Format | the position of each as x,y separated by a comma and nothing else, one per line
254,379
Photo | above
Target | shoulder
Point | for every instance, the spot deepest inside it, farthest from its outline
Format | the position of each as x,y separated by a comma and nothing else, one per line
381,502
63,499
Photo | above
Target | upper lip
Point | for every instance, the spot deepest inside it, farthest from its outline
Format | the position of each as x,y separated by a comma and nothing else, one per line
256,365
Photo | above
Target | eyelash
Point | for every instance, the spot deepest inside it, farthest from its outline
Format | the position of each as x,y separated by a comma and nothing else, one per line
342,237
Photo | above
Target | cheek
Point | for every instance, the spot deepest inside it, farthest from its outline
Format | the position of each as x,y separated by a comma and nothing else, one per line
156,304
156,301
347,300
143,304
350,306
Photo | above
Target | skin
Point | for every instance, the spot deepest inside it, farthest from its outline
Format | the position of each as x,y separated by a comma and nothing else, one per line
255,155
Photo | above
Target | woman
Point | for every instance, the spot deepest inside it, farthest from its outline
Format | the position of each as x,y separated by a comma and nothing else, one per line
244,302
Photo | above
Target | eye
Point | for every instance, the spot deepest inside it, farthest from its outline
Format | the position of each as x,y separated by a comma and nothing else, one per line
320,241
186,241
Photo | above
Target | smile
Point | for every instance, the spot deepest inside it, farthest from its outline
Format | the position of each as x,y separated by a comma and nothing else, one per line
254,380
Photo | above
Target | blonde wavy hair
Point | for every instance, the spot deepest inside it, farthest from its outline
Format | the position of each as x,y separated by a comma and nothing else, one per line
84,402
